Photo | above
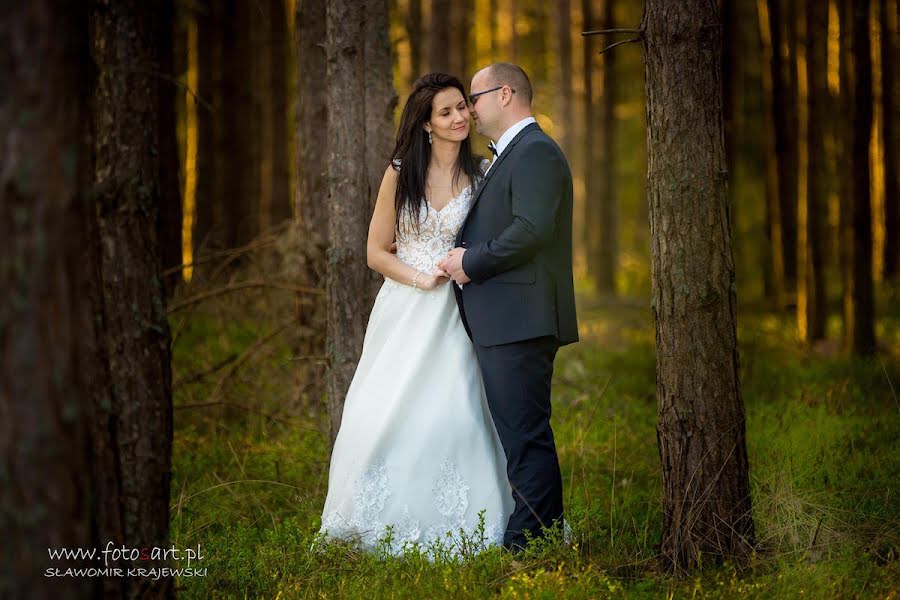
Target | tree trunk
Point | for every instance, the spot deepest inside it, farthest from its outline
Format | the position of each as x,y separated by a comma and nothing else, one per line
414,31
608,246
562,19
439,42
813,206
358,57
311,204
46,323
888,11
773,256
592,225
280,209
240,136
856,218
701,432
731,47
168,226
210,155
786,113
126,180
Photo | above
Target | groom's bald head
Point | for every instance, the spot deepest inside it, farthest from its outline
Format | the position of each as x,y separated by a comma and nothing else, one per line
504,73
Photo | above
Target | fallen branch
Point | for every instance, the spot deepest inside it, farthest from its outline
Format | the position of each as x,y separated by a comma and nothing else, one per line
243,285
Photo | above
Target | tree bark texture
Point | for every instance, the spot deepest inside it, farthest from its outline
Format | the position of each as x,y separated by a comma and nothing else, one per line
772,84
856,218
126,196
311,203
358,65
701,431
47,348
813,207
608,243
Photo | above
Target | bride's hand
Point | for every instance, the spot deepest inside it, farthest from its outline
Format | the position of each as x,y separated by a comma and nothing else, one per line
431,281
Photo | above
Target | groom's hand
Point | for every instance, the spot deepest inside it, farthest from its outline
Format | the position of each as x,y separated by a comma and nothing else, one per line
452,264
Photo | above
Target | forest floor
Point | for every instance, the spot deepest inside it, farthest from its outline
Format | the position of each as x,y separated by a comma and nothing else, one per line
251,467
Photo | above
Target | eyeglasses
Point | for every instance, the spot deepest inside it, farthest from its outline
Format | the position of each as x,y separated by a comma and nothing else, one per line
473,98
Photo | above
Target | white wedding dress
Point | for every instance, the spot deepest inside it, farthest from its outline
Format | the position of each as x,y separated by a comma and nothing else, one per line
417,451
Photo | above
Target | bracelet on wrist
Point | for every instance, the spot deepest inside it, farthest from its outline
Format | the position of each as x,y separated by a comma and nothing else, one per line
416,280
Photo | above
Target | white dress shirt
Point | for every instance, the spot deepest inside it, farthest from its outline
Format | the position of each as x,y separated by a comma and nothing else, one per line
508,136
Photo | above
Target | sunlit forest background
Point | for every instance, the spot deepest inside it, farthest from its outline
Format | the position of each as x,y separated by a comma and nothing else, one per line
187,288
582,108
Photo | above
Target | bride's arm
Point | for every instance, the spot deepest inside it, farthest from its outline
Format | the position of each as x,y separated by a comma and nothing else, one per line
381,236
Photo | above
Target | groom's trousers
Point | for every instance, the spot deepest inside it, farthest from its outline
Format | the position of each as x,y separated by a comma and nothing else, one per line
517,384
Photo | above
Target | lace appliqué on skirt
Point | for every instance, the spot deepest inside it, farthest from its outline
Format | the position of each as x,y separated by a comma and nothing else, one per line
450,497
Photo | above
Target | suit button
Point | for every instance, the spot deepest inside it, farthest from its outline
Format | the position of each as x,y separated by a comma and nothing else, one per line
463,243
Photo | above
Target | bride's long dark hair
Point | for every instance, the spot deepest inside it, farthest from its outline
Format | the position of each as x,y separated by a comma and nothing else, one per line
412,153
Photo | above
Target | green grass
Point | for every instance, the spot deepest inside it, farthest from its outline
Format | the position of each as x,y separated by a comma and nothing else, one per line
250,475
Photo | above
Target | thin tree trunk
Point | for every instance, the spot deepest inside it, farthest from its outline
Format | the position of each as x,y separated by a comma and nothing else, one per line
495,32
280,209
591,202
701,432
440,57
787,114
168,226
414,31
889,108
356,42
126,180
46,323
773,256
856,218
811,301
608,246
211,154
240,109
312,198
562,19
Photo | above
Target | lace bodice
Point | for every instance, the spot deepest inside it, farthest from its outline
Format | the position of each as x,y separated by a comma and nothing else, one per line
437,232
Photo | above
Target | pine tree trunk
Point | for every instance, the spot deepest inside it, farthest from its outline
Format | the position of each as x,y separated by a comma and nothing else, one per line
439,41
562,19
608,246
701,432
126,180
280,209
889,108
731,48
311,204
773,256
168,226
46,319
358,56
210,158
592,225
414,31
786,114
811,301
241,146
856,219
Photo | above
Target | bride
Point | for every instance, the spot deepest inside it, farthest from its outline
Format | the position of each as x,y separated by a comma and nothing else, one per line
417,460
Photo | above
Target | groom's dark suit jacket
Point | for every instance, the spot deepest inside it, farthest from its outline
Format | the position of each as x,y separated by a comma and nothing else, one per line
518,241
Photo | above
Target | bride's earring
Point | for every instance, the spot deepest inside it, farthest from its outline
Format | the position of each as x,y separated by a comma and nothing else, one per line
429,137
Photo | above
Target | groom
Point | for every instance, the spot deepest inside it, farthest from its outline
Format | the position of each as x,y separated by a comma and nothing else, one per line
513,264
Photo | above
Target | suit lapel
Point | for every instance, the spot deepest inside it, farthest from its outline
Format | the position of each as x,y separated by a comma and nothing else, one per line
495,166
